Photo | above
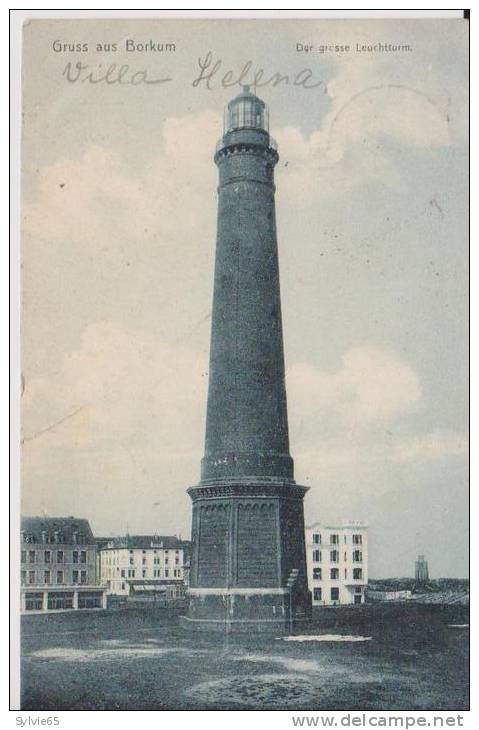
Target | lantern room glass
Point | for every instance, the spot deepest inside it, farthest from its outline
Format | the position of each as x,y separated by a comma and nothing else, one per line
246,112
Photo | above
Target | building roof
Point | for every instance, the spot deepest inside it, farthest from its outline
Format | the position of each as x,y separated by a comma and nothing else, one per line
158,582
168,542
346,525
35,526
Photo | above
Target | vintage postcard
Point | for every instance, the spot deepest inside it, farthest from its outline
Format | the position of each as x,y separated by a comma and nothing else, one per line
244,336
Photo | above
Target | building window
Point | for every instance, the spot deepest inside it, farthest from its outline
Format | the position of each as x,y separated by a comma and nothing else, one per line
317,538
83,577
143,573
345,573
31,577
357,539
357,573
83,556
31,556
47,578
316,556
123,574
316,573
317,594
57,601
357,556
48,556
89,600
75,576
334,540
60,556
334,556
143,561
335,594
167,572
334,573
345,556
23,577
24,556
33,601
75,556
60,576
132,562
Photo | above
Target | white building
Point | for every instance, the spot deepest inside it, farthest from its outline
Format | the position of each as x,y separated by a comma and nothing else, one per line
337,560
144,564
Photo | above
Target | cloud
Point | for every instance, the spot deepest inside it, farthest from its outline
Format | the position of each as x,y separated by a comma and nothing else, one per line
97,200
116,430
352,451
372,113
438,444
393,111
372,385
121,388
371,97
356,418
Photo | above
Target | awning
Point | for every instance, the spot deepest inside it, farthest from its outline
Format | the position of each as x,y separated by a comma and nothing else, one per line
141,587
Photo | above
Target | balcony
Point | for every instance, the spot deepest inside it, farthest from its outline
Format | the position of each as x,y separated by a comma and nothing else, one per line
272,144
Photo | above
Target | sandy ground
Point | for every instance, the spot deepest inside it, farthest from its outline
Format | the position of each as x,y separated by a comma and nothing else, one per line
140,660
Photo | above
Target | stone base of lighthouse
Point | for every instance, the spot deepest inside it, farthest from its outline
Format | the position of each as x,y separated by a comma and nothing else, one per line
246,611
248,569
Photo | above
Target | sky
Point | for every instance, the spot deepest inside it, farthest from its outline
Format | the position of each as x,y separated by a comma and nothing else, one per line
118,234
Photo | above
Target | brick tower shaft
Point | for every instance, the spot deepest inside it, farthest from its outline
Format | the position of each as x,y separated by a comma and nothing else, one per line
247,422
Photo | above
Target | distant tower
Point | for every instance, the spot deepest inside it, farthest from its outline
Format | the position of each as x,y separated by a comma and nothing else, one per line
248,565
422,570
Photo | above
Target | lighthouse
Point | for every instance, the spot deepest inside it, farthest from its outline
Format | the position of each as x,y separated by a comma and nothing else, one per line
248,569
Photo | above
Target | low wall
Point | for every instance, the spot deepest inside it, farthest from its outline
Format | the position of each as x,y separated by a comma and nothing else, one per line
388,613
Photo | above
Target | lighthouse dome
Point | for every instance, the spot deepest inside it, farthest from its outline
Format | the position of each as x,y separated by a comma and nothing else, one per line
246,111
